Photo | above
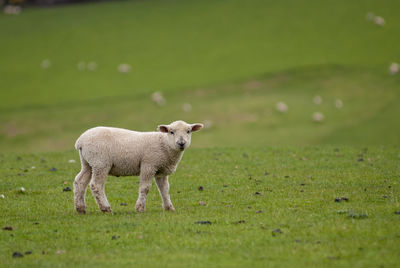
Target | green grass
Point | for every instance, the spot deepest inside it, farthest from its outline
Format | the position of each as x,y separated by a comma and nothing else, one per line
232,60
242,113
179,44
298,186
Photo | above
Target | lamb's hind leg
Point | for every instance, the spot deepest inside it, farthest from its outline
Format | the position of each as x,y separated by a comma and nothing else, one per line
80,185
97,186
163,188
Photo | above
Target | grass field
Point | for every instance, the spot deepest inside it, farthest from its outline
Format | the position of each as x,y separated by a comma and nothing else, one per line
232,61
179,44
293,221
242,114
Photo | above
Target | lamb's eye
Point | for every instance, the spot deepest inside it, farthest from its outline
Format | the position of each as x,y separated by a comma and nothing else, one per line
188,131
172,133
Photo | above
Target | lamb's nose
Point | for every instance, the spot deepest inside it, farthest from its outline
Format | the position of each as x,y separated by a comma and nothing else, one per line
181,143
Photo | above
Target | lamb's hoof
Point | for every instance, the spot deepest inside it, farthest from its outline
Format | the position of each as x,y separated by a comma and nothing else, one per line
81,210
140,208
106,210
169,207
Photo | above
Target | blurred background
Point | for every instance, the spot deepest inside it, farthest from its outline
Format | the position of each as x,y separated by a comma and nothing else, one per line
256,72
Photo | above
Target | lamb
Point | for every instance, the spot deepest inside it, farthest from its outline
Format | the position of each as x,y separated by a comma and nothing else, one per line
120,152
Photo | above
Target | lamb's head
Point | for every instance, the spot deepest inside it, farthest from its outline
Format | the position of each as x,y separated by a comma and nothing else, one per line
179,134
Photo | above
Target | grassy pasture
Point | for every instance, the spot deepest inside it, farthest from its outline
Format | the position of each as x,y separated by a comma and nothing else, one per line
232,61
241,113
297,188
174,45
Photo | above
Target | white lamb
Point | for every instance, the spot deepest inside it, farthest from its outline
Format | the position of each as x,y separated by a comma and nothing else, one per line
121,152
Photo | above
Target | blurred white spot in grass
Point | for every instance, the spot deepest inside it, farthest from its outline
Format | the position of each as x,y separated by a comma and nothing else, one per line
158,98
379,21
394,68
2,196
318,117
370,16
81,66
317,100
71,161
45,64
338,103
33,167
282,107
124,68
207,124
187,107
12,10
92,66
22,190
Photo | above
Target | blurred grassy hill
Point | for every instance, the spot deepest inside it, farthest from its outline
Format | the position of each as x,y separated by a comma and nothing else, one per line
231,60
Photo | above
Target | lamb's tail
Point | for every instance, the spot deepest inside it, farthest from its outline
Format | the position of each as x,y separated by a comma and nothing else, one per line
78,144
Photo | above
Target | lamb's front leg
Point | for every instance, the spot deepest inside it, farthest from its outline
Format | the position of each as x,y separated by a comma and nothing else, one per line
163,188
146,177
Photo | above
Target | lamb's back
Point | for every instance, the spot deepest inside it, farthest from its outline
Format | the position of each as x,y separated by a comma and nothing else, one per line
120,149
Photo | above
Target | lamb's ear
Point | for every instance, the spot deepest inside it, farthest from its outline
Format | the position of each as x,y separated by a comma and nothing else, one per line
196,127
162,128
